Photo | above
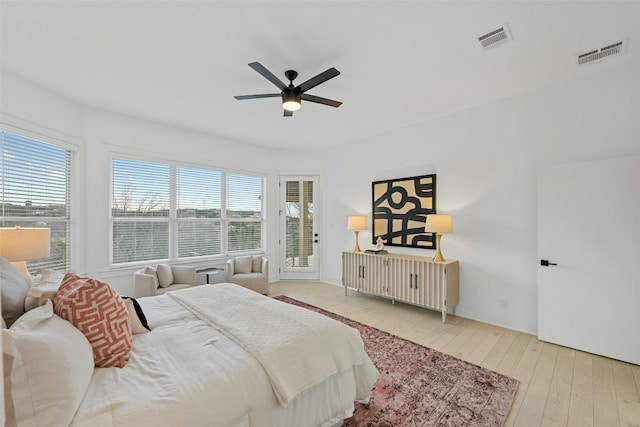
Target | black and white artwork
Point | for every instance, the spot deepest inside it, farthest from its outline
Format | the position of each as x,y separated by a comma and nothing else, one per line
400,208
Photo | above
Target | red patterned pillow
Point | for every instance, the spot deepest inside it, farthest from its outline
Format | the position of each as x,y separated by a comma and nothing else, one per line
97,310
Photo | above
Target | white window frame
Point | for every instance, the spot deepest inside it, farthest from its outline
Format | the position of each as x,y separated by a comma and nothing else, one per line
173,219
63,141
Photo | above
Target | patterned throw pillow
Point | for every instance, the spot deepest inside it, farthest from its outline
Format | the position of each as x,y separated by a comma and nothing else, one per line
97,310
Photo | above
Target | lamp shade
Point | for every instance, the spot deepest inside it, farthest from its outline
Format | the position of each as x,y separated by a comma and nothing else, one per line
439,224
357,223
24,244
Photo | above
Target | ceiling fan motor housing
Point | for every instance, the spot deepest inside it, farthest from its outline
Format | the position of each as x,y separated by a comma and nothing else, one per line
291,94
291,75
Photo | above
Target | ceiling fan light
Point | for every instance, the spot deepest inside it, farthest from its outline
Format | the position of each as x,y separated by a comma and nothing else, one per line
291,105
291,100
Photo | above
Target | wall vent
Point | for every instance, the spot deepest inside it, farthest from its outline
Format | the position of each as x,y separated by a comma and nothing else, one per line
496,37
605,52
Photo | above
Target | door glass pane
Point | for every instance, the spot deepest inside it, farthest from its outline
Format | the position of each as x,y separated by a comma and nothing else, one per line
299,223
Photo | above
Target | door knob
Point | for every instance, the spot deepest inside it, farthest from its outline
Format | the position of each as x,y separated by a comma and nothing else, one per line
546,263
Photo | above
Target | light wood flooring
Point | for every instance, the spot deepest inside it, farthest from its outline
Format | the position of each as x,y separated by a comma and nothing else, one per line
559,386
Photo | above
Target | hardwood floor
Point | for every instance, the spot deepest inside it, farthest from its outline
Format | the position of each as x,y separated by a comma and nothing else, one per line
559,386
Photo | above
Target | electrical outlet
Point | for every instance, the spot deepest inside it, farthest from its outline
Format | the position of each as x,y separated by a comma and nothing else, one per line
504,303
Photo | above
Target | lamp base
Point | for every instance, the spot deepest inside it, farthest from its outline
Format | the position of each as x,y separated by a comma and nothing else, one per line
438,257
21,266
357,248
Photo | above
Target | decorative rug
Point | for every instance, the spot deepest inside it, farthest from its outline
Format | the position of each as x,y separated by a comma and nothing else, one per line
420,387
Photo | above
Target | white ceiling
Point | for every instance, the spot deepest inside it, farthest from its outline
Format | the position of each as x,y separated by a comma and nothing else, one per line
402,62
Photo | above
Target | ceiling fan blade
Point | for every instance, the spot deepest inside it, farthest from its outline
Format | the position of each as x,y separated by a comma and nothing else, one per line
320,78
288,113
267,75
264,95
321,100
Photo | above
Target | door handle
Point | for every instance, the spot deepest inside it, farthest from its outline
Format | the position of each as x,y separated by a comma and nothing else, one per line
546,263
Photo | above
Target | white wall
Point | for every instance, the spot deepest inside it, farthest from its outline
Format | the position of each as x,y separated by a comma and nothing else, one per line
486,160
23,102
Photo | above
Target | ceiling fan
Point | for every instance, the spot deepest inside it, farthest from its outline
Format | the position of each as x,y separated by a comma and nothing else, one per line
293,95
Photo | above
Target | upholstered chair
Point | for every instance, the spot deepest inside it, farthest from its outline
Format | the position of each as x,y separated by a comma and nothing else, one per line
252,272
156,280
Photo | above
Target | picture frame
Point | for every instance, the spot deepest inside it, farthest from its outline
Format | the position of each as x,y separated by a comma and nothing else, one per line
400,208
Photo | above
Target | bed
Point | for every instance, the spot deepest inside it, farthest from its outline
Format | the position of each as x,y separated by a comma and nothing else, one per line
198,366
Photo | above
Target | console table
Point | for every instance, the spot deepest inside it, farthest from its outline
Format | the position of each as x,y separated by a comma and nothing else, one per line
412,279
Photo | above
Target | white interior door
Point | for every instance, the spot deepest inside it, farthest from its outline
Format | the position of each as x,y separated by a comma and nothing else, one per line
299,234
589,225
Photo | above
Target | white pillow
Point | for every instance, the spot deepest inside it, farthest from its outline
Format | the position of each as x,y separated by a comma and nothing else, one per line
46,288
165,275
48,366
14,291
256,264
243,264
136,323
153,273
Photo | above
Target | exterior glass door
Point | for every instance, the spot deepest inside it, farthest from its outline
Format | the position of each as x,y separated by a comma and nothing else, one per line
298,231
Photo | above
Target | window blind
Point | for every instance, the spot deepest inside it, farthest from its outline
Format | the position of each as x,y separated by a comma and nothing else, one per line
139,189
198,212
244,212
299,223
140,203
35,179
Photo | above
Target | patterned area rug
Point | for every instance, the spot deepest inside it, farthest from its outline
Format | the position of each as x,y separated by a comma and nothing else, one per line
421,387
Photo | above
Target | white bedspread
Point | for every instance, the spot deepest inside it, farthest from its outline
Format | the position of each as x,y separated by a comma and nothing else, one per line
297,348
187,373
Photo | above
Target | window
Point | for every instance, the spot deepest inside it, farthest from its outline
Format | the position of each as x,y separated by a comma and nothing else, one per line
35,191
244,211
199,215
163,211
140,210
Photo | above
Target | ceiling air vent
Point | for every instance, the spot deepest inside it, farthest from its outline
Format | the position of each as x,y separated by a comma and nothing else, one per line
496,37
605,52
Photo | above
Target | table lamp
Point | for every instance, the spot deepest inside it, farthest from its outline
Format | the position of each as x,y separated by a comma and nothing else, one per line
439,224
357,223
19,245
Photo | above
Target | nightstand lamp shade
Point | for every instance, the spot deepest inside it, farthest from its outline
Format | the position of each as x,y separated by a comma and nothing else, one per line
357,223
19,245
439,224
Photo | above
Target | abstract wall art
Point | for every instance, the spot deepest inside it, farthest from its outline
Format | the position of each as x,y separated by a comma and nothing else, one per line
400,208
